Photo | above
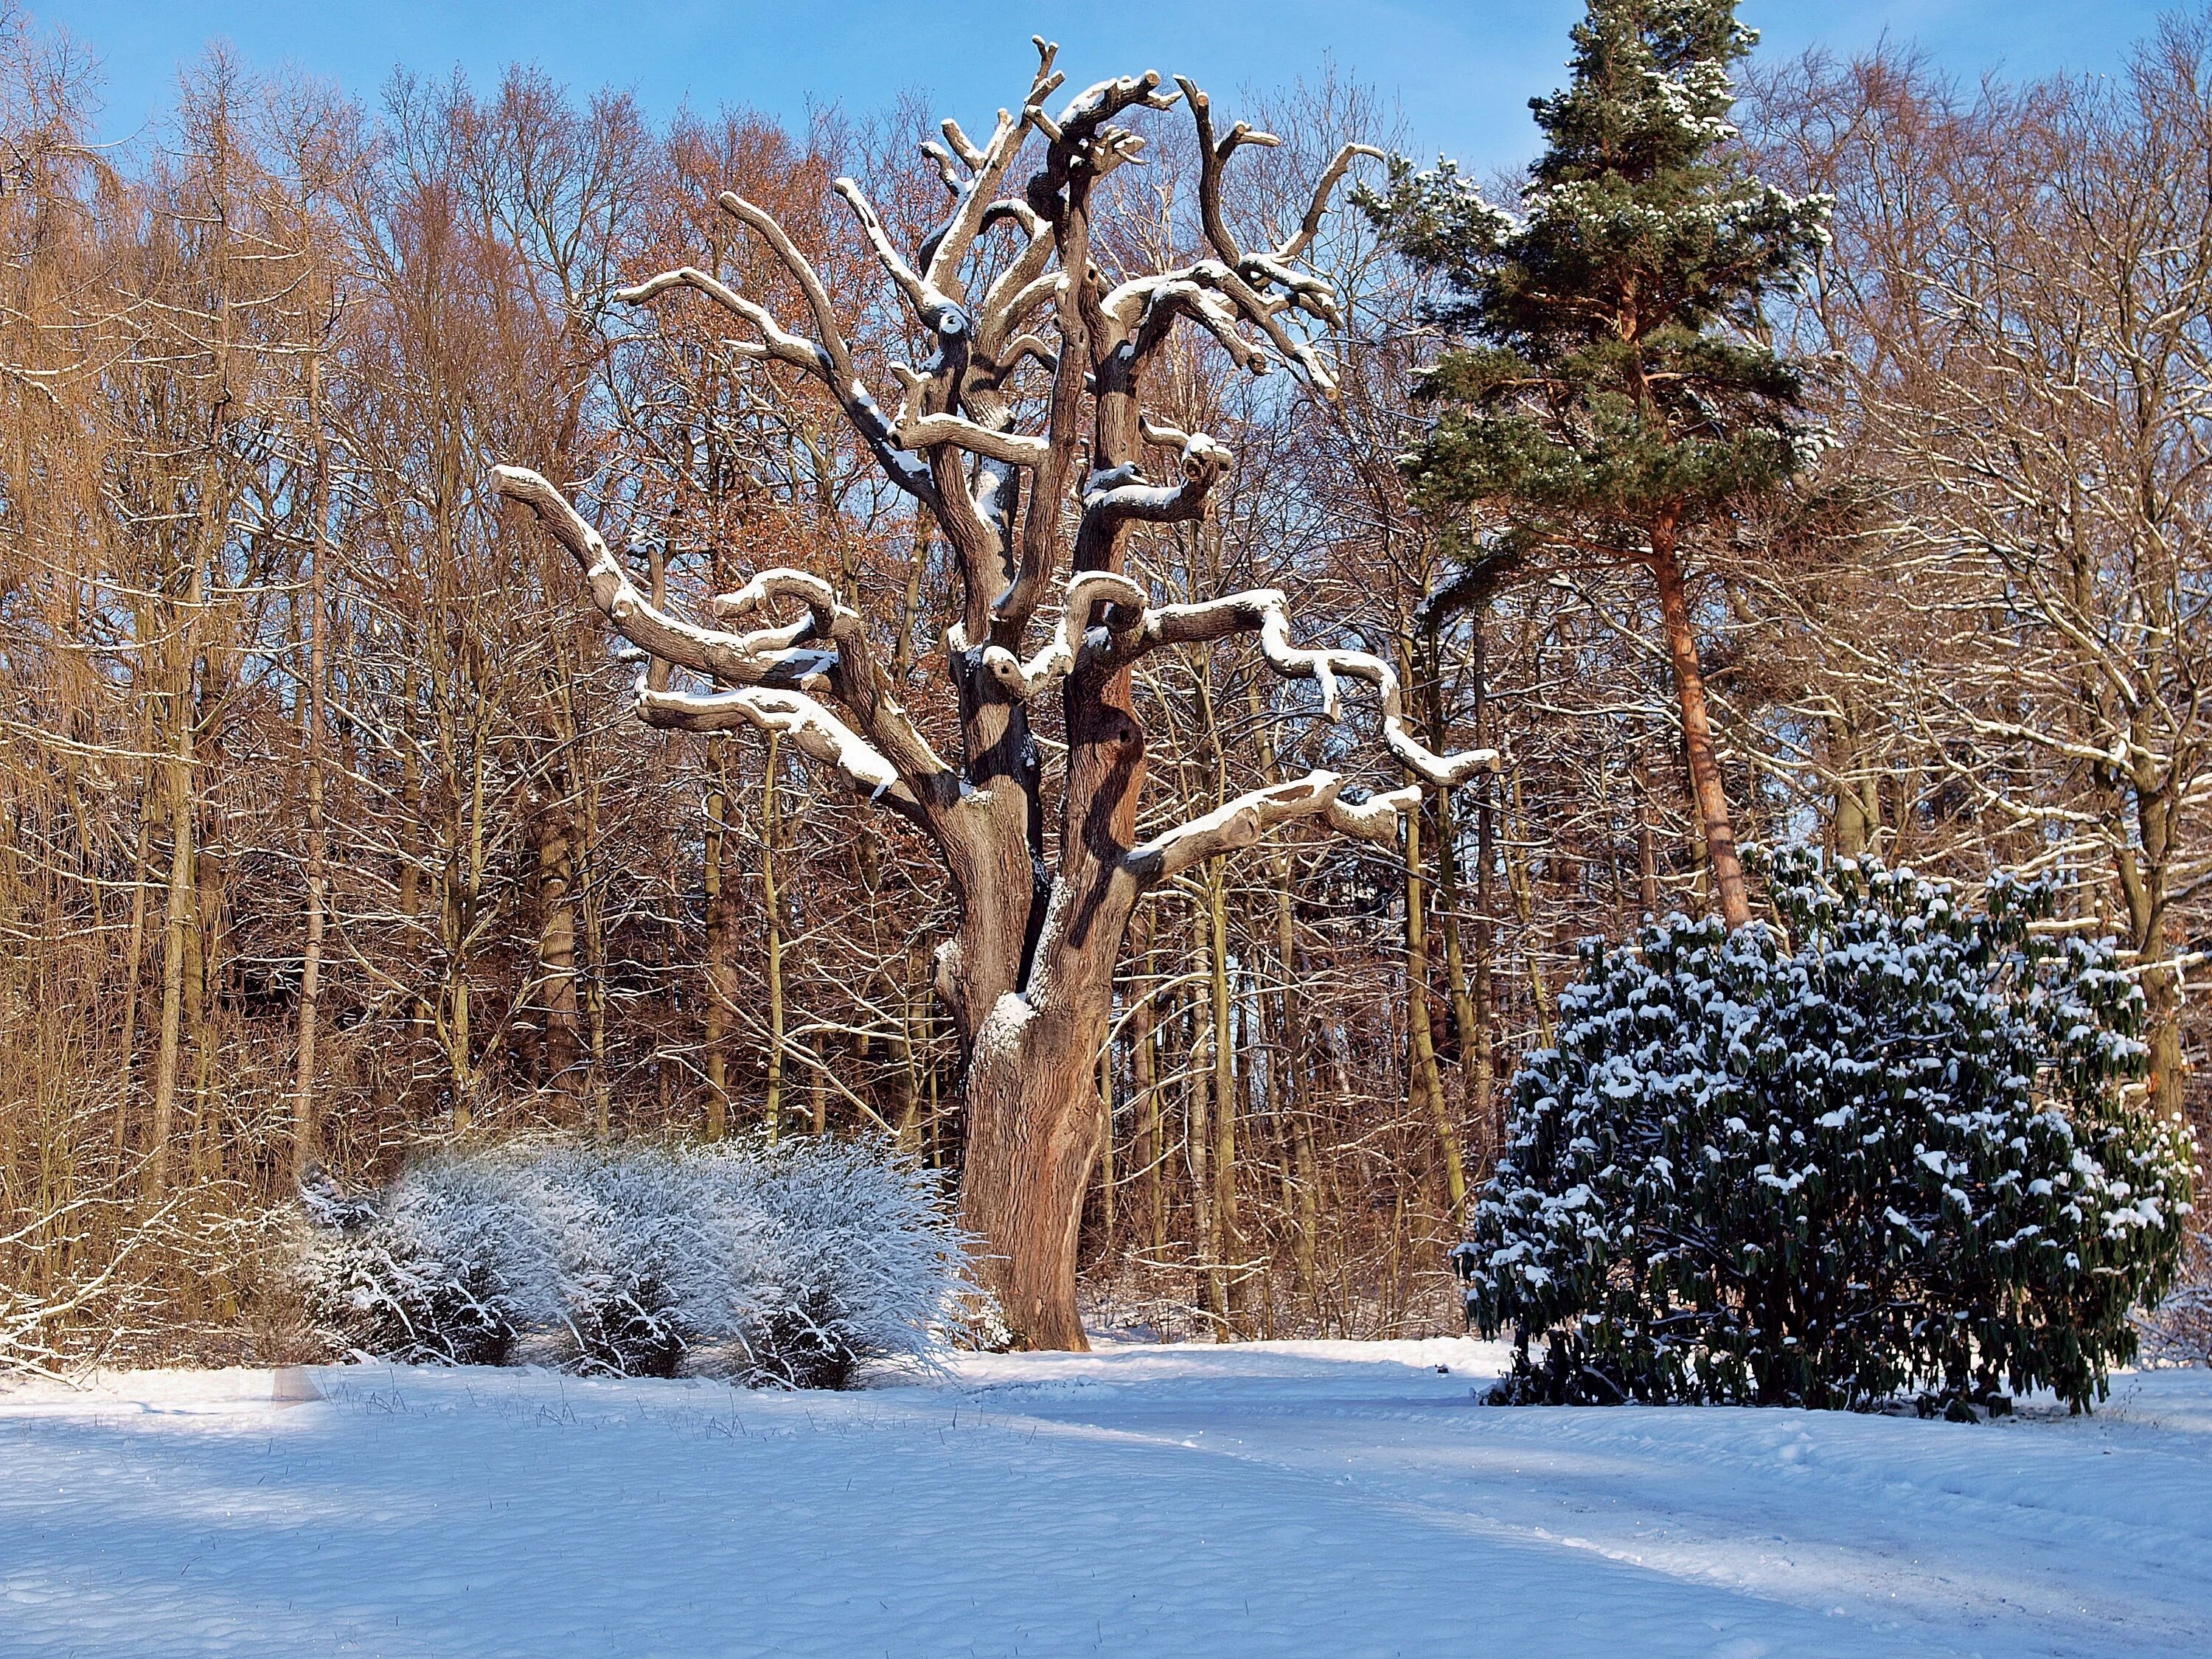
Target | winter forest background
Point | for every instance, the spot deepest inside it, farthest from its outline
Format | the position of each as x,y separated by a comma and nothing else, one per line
330,836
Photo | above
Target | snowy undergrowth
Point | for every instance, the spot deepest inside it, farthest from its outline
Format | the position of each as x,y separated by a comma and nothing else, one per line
2177,1331
788,1265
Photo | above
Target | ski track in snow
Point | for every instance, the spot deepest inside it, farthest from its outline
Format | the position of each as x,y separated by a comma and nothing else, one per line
1319,1498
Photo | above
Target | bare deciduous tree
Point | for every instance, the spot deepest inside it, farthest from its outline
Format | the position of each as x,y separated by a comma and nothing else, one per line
1025,480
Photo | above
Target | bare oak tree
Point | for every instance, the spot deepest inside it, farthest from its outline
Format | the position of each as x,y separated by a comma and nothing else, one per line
1024,436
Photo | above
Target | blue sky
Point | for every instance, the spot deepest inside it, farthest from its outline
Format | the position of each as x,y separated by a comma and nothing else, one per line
1461,70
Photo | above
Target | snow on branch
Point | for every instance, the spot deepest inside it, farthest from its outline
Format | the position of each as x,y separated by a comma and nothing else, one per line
1086,590
825,651
1241,823
1233,288
1219,297
828,617
918,430
974,202
1266,612
1122,492
771,659
812,728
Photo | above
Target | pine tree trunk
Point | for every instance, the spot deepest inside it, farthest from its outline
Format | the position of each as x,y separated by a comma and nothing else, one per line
1698,732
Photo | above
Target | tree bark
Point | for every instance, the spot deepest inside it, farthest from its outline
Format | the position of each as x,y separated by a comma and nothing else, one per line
1428,1083
1696,730
720,970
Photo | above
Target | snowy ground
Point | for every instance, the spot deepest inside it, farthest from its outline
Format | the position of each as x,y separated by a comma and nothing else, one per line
1323,1498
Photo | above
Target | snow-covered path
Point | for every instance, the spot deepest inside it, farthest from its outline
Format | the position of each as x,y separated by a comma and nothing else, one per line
1326,1499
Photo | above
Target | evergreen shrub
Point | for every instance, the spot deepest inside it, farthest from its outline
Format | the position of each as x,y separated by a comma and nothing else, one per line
1884,1147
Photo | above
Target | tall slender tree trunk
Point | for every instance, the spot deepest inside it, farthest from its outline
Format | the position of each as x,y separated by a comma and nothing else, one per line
1711,801
177,925
1198,1147
1143,1077
773,1107
1448,889
556,939
595,974
1228,1239
721,970
1647,842
306,1137
1428,1083
134,958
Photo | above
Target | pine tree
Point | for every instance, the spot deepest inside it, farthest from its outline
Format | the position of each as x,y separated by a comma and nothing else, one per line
1614,395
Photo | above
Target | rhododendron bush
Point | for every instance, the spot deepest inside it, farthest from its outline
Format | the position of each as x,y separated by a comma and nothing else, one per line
1884,1143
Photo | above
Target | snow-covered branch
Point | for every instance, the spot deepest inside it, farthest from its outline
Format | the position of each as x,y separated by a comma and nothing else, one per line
1241,823
1219,297
812,728
916,429
1124,492
1275,266
774,658
826,651
1086,590
1266,612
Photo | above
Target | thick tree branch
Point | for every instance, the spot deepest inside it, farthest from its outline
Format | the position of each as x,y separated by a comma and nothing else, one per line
782,656
1124,493
1243,822
828,361
813,730
918,430
855,676
774,658
1086,590
1266,612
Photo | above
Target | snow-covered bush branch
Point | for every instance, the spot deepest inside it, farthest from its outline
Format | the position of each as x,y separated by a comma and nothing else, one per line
2177,1330
1884,1147
789,1265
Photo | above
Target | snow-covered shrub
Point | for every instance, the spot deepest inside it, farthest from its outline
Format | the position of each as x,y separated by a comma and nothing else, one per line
648,1265
788,1265
849,1256
1881,1148
449,1266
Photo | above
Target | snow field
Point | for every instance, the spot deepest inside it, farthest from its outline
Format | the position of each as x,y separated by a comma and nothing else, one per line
1280,1498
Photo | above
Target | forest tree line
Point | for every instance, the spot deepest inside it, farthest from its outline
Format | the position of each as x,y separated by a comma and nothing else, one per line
330,836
